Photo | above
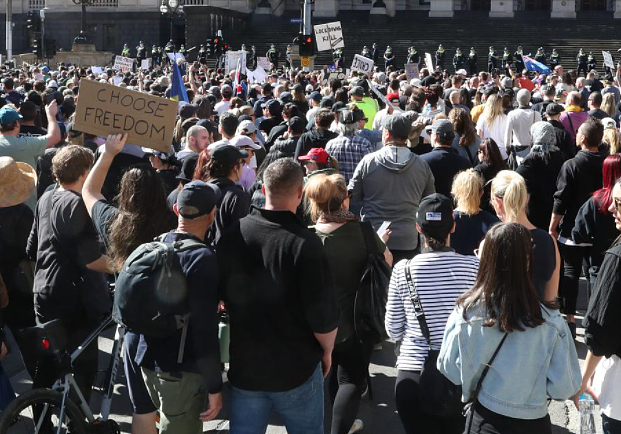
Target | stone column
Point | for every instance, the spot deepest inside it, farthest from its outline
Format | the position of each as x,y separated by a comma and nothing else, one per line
441,8
326,8
501,9
617,6
563,9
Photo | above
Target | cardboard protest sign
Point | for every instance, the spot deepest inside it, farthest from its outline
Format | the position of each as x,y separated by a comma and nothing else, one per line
96,69
145,64
123,64
362,64
171,56
379,94
104,109
429,62
334,75
608,60
411,71
329,36
264,63
232,59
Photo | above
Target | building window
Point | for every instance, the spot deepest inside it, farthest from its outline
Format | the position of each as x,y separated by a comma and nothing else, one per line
105,3
36,5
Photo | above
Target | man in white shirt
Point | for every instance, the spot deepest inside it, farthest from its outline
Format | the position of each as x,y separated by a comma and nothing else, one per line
227,94
519,121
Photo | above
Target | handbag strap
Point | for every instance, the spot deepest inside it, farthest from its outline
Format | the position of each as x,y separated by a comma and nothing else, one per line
418,307
369,238
487,366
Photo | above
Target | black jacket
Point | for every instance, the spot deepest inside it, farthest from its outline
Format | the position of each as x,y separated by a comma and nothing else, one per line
540,173
316,138
234,204
563,140
445,163
594,227
602,321
577,180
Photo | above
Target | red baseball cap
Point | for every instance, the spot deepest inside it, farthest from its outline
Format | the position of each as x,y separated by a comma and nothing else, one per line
392,96
318,155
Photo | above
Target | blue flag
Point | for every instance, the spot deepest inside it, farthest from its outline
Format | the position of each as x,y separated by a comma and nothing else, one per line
178,92
532,65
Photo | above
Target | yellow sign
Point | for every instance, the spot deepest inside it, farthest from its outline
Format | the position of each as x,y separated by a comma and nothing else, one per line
305,61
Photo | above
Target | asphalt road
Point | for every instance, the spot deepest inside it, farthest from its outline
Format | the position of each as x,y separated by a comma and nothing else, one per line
379,414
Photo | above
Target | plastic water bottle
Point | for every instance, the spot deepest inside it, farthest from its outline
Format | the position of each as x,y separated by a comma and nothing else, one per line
587,414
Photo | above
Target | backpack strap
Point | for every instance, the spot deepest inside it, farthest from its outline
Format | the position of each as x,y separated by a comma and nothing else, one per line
369,238
418,307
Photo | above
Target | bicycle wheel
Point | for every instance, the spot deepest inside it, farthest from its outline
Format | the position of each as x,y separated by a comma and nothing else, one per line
38,412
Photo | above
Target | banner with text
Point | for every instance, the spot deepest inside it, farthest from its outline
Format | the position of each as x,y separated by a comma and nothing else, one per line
123,64
429,62
362,64
608,60
411,71
329,36
106,109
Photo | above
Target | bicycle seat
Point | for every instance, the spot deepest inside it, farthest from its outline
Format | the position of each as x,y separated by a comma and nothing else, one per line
49,338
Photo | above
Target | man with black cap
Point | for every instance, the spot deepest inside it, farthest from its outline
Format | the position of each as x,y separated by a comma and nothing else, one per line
563,139
378,185
288,142
348,148
314,102
272,110
181,390
319,136
282,309
443,161
266,95
440,276
368,105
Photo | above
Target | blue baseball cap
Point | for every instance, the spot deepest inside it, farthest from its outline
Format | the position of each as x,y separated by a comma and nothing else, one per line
197,198
8,115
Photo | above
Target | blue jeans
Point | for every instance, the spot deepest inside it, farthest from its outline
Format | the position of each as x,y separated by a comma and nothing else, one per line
301,408
611,426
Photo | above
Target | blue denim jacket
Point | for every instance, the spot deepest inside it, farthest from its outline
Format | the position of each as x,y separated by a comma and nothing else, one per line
532,365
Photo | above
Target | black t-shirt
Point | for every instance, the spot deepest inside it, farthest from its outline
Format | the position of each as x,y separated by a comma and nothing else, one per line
277,287
445,163
63,244
470,230
544,260
170,179
31,131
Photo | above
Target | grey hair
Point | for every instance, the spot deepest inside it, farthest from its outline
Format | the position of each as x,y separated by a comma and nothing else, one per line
347,129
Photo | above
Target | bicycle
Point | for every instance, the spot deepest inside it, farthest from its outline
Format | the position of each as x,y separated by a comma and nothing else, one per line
55,411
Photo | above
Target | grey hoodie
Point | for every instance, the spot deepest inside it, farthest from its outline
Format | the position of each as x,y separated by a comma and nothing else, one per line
390,184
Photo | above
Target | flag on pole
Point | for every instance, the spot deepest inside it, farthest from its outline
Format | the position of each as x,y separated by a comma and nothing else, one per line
532,65
177,92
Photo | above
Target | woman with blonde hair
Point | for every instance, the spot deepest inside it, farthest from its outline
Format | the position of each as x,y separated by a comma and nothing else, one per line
493,123
509,198
609,106
611,139
343,237
471,222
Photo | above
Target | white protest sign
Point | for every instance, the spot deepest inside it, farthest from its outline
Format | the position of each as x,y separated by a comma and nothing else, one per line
362,64
145,64
429,62
329,36
264,63
171,56
96,70
378,93
123,64
250,76
608,60
117,80
335,75
231,60
179,56
259,75
411,70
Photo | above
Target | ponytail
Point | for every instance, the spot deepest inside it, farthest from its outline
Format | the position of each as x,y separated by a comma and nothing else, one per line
511,188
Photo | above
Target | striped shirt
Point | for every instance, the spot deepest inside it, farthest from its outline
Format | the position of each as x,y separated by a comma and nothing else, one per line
348,151
440,278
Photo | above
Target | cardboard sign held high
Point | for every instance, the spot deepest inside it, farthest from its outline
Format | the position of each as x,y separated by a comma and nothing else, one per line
362,64
329,36
106,109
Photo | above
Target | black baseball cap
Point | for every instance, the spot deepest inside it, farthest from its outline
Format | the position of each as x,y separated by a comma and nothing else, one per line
435,216
187,168
554,109
227,154
197,198
398,125
443,128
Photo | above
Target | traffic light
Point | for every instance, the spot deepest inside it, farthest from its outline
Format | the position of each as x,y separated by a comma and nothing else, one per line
30,21
37,46
50,48
307,45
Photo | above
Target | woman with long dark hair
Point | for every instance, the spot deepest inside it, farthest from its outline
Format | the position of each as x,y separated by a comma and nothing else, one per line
535,358
491,163
466,141
344,244
595,224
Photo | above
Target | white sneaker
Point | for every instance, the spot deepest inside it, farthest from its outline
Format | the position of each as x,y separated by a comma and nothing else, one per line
357,426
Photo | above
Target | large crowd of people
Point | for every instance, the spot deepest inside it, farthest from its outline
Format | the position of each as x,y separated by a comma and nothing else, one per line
489,196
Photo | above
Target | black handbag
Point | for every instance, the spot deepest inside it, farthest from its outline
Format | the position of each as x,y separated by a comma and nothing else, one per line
438,395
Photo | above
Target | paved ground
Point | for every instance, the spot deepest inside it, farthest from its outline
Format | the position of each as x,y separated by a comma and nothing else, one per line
379,414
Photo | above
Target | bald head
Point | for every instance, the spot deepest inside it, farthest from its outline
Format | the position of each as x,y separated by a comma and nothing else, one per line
454,97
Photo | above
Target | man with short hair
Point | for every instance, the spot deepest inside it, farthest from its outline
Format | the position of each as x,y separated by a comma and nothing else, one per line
547,94
319,136
456,82
10,94
282,308
595,102
314,101
266,95
348,148
378,184
197,140
519,121
563,139
227,128
573,116
27,127
443,161
227,94
577,180
272,112
287,143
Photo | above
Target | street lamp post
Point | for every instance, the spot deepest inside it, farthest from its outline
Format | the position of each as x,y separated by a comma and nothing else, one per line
171,8
82,38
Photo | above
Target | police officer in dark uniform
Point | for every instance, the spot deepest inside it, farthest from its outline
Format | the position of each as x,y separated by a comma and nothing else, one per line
125,52
414,56
375,53
161,54
492,59
170,47
366,52
202,54
555,58
252,61
155,57
458,60
182,50
540,56
272,55
507,60
519,62
141,51
389,57
591,63
440,57
582,62
472,61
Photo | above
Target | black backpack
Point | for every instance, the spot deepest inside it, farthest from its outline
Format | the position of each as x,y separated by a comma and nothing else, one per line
372,294
151,295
